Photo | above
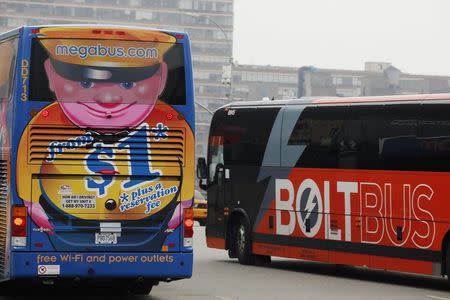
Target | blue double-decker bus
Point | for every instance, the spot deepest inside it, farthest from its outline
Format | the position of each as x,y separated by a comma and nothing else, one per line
97,147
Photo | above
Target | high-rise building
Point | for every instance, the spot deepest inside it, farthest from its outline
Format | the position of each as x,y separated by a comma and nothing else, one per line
208,22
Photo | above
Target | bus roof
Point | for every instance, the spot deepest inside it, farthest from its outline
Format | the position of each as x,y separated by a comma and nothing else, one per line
7,34
100,26
345,100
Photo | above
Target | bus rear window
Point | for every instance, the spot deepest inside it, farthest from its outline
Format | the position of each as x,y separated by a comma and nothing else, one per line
107,72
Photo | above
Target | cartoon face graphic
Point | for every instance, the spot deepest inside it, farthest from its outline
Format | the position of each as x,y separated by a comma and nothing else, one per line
104,104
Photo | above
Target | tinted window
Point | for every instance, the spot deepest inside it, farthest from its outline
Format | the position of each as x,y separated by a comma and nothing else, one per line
370,120
359,137
388,137
398,143
434,139
246,132
8,51
321,131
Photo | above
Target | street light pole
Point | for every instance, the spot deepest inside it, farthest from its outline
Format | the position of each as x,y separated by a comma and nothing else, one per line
229,80
204,107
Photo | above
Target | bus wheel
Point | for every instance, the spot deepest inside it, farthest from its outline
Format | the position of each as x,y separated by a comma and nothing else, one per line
243,244
447,261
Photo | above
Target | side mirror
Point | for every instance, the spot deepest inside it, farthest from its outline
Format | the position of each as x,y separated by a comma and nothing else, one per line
201,173
201,168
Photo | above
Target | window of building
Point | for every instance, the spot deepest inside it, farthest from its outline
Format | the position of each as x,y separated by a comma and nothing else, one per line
337,80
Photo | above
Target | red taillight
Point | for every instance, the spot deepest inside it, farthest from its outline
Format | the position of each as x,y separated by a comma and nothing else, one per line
188,223
19,221
179,36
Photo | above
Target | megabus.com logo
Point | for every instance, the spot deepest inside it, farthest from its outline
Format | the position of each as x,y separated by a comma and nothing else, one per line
101,51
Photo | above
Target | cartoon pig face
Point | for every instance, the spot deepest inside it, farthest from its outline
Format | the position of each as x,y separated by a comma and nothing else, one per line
102,105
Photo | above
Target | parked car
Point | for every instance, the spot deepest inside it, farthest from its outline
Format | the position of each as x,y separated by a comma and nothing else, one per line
200,208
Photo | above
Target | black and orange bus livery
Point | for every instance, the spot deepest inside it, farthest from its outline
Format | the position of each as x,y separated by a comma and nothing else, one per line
354,181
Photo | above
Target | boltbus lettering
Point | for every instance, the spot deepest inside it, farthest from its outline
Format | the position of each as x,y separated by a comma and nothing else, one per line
379,218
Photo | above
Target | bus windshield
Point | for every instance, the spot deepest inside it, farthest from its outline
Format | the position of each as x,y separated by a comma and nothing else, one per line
133,72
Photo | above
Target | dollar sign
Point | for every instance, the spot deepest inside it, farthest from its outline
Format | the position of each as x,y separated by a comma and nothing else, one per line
140,170
98,166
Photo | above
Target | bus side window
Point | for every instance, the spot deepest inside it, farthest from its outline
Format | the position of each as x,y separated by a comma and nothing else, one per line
389,136
216,156
350,146
434,138
8,50
398,144
321,130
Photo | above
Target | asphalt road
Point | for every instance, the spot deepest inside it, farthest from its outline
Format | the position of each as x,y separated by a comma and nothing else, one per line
218,278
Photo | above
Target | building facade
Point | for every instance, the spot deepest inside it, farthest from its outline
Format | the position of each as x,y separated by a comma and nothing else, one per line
377,79
252,82
209,24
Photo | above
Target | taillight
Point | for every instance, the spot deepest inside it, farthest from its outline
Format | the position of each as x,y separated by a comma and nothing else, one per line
19,226
188,225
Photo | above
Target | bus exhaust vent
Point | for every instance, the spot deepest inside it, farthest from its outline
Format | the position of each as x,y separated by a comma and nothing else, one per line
68,145
3,215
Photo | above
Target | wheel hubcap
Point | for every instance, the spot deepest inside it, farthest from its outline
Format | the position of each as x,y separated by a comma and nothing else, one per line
241,239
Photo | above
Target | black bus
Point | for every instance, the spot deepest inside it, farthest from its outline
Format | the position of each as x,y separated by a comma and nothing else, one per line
356,181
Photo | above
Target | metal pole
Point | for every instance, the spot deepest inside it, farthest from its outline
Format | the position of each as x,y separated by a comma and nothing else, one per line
204,107
230,92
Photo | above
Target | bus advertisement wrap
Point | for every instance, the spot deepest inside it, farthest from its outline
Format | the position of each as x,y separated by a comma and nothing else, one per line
103,153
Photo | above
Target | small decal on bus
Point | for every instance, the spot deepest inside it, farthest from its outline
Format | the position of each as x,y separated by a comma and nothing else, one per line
49,269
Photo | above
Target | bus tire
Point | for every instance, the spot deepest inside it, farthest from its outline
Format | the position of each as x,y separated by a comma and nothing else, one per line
262,259
447,262
244,244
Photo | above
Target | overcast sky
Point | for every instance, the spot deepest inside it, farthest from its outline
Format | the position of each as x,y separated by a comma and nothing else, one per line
414,35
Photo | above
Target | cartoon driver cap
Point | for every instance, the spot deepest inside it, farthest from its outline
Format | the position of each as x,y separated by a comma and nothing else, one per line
79,54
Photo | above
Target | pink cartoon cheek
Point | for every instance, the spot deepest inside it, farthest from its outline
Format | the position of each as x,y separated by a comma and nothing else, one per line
145,93
68,89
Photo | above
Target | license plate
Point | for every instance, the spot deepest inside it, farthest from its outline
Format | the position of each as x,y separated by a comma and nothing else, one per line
105,238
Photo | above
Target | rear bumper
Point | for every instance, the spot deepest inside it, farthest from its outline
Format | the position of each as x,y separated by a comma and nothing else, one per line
160,266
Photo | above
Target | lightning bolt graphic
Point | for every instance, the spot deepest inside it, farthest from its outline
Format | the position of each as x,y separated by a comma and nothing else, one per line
310,206
274,155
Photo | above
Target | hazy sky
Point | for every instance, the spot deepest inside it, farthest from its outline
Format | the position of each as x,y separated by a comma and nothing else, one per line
414,35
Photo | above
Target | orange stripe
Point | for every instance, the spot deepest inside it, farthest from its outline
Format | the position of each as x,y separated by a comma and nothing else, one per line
218,243
290,252
351,259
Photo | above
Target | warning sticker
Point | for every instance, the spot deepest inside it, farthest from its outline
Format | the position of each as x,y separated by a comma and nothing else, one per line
49,269
78,201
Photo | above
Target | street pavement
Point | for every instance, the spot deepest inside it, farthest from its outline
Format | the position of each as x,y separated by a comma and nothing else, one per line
220,278
216,277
